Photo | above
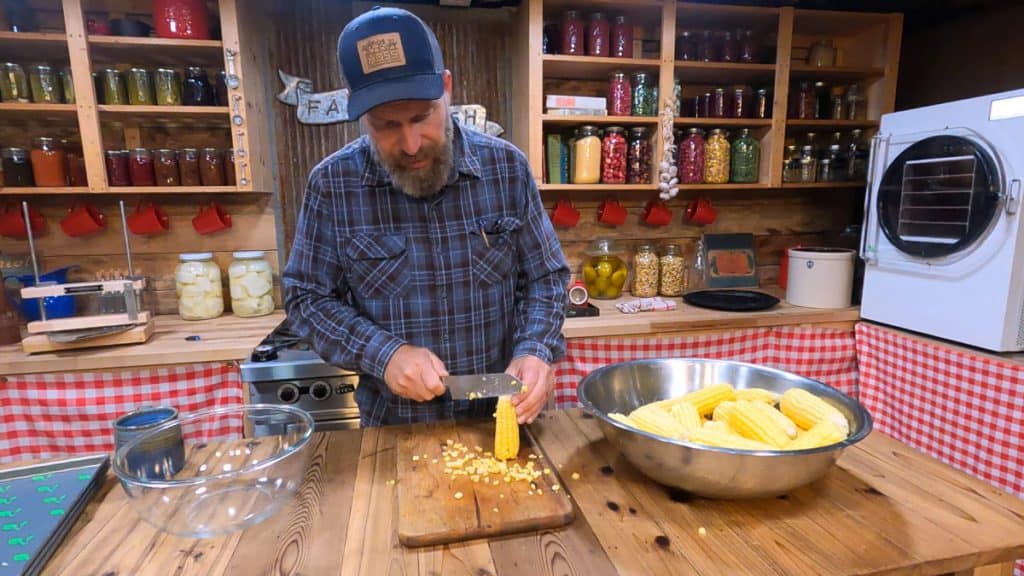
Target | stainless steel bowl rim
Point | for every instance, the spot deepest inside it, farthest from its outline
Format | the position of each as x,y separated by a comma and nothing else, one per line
589,407
121,453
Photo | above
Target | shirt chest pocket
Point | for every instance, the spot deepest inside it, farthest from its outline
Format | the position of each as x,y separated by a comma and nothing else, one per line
493,246
379,266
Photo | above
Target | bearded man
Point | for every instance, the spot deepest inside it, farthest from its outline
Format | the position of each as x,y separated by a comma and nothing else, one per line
423,248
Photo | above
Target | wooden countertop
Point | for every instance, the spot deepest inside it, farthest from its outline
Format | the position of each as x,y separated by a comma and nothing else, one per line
885,508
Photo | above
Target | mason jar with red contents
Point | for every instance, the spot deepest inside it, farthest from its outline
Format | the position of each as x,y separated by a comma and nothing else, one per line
140,167
719,104
117,168
572,33
598,36
181,19
622,38
613,156
620,94
691,157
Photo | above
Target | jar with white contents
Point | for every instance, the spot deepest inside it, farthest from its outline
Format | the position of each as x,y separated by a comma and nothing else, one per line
252,285
198,286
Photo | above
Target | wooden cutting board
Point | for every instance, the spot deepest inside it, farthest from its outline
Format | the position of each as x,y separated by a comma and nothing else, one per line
430,514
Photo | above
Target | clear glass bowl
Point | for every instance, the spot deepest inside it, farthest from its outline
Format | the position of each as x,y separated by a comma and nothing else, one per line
198,477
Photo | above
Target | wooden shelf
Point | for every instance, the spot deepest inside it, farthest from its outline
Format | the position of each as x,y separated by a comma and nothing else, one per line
842,73
723,72
173,190
824,184
599,120
167,115
11,190
628,5
25,112
753,186
826,124
156,50
593,67
20,38
718,122
597,187
42,45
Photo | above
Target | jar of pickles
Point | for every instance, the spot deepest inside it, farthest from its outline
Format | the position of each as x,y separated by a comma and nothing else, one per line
14,84
620,95
17,168
672,271
114,90
165,167
645,272
251,283
716,158
644,101
49,163
691,157
117,168
197,283
140,167
745,158
168,87
598,35
42,79
67,85
638,156
140,87
586,150
604,270
613,156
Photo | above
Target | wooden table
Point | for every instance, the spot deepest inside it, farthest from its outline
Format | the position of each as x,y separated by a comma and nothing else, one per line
885,509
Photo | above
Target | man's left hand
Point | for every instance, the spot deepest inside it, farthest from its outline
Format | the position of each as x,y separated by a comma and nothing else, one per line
536,375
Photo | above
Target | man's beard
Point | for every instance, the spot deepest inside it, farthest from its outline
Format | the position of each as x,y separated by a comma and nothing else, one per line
425,182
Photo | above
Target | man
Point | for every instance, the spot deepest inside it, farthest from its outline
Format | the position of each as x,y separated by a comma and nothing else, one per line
423,248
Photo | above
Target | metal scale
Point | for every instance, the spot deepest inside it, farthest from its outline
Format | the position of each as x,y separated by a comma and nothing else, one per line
123,318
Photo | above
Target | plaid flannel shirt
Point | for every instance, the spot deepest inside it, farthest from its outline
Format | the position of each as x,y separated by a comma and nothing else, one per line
475,273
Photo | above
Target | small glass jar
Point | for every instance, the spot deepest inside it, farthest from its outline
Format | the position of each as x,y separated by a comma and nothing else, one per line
547,46
42,79
165,167
808,164
762,105
838,162
702,107
17,168
197,283
620,95
197,89
168,87
706,47
188,166
49,163
622,38
613,156
638,156
822,102
745,158
686,47
97,85
140,167
791,168
229,167
672,271
719,104
802,102
251,281
117,168
573,43
741,105
822,54
691,157
140,87
67,85
586,156
857,154
115,93
211,167
14,84
825,173
645,272
698,274
716,158
604,270
644,101
220,89
853,103
598,35
76,164
837,103
750,49
730,48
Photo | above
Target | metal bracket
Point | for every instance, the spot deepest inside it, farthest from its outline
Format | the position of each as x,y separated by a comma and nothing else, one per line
240,149
243,180
1013,197
232,77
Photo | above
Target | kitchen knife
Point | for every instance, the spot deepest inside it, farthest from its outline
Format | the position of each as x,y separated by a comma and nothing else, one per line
482,386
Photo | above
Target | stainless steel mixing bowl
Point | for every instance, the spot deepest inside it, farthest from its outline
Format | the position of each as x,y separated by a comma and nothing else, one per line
706,470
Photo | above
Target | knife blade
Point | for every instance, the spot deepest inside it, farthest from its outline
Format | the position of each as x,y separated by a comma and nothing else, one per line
483,386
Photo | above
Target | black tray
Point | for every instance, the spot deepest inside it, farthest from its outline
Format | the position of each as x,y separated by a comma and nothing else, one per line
731,300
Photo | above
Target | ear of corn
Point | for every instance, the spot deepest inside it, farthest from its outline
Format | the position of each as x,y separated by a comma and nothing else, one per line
722,410
806,410
787,425
757,394
653,419
686,415
506,430
745,418
722,437
823,433
704,399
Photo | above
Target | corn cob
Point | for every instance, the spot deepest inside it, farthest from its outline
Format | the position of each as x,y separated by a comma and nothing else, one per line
720,411
506,430
718,434
704,399
651,418
745,418
686,415
806,410
758,394
787,425
823,433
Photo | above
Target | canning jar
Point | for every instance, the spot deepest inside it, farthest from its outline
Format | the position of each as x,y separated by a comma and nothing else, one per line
67,85
620,95
622,38
49,163
825,170
197,89
716,158
211,167
14,84
117,168
17,168
802,102
856,157
644,101
572,33
251,282
221,89
745,156
837,103
730,50
587,156
604,270
229,167
165,167
822,103
188,19
691,157
114,91
808,164
645,272
838,161
853,102
598,35
140,167
42,79
703,105
822,54
140,87
791,169
188,166
750,50
719,104
762,105
168,87
197,284
686,46
672,271
741,105
706,47
613,156
76,164
638,156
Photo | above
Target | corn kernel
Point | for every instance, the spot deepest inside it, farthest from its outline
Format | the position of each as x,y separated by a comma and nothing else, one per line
556,487
575,475
458,495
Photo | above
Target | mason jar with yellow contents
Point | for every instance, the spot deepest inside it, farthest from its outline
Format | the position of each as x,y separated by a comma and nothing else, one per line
587,156
604,270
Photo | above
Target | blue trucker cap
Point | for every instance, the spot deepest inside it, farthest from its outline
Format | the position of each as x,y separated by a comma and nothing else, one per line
389,54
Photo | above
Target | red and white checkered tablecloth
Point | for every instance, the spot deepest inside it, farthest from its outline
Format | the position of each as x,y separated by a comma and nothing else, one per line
824,354
63,414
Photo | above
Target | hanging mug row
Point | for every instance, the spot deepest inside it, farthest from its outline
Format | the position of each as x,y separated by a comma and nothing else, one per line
655,213
84,219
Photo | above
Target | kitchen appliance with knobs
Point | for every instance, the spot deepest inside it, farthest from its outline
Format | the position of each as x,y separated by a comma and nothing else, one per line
942,239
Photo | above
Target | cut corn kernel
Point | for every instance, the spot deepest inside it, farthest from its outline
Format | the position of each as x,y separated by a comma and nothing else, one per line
745,418
806,410
506,430
823,433
758,394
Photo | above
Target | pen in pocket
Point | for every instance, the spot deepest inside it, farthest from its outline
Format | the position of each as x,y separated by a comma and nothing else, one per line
483,233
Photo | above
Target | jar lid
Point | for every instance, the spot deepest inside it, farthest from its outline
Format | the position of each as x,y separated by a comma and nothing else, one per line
603,247
614,129
638,130
165,151
110,71
195,256
45,141
645,248
137,69
248,254
167,70
41,66
695,131
140,150
210,149
620,19
597,16
619,75
670,249
572,13
585,130
13,151
116,152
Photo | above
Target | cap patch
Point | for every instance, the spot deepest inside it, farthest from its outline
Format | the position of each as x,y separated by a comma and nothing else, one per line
381,51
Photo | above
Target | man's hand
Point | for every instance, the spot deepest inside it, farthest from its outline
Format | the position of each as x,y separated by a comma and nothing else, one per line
415,373
536,375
